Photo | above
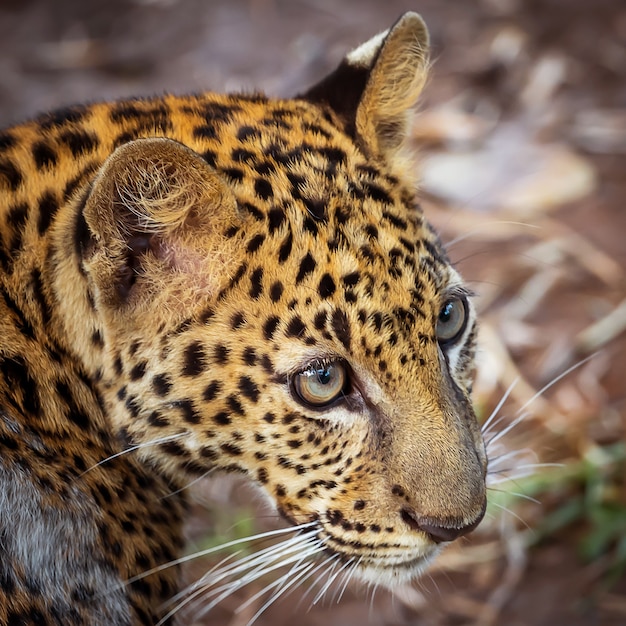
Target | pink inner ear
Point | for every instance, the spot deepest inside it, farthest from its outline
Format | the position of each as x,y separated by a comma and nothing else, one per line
178,256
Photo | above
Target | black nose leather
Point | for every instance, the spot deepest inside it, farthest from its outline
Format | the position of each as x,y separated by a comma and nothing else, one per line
437,531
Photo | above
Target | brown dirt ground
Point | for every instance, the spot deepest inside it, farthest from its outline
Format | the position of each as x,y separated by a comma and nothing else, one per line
531,94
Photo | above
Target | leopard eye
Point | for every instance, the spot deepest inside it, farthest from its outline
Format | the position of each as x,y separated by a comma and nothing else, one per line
321,383
452,321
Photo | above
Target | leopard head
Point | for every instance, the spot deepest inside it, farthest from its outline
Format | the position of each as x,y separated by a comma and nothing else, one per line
286,312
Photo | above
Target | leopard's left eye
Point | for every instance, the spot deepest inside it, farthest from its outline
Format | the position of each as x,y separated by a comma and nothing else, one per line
452,320
321,383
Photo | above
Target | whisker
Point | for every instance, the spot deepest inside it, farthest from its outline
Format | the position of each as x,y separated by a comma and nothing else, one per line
145,444
332,579
227,589
348,575
506,430
218,548
187,486
555,380
495,411
304,570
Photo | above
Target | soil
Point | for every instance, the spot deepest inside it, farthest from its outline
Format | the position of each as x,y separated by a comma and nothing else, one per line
529,97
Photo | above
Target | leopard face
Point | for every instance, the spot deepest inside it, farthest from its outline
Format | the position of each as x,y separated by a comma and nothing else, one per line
250,285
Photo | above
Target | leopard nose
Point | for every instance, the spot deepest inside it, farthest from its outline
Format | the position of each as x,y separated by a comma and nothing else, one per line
439,531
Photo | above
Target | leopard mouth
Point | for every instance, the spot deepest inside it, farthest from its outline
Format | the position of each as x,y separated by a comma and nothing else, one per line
384,564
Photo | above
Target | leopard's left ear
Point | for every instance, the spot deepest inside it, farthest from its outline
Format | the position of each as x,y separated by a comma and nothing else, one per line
375,87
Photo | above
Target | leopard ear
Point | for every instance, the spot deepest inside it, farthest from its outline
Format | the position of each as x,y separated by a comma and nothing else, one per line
375,87
156,199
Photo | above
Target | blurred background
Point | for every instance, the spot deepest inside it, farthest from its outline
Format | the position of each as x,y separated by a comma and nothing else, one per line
521,144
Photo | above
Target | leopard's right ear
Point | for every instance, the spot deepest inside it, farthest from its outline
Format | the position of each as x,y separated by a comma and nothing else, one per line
154,203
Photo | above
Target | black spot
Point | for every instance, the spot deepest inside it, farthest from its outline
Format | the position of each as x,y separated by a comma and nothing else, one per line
6,141
48,207
210,157
23,324
79,141
307,265
270,418
276,291
173,448
237,321
377,193
44,155
161,384
285,248
371,231
255,243
316,208
295,328
190,415
208,453
17,375
326,287
263,188
231,449
234,173
40,298
309,225
234,405
221,354
249,388
262,475
319,320
59,117
249,356
248,132
254,211
341,327
222,418
138,370
275,218
264,168
269,328
10,175
156,419
242,156
256,283
194,361
96,339
395,220
211,390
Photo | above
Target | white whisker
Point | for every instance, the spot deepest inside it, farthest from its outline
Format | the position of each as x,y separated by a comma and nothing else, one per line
332,579
348,576
555,380
145,444
504,398
218,548
304,570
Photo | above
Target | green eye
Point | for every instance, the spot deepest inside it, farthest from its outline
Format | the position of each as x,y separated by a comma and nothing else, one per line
321,383
452,321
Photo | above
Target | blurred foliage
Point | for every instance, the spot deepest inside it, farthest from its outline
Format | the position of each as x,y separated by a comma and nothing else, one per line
586,497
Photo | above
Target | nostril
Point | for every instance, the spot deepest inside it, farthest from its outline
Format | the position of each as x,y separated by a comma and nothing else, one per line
435,530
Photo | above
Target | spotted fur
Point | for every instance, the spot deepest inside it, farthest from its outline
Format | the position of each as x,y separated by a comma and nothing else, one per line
168,267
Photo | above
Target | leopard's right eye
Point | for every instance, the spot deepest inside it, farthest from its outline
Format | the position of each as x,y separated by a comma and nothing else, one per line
321,383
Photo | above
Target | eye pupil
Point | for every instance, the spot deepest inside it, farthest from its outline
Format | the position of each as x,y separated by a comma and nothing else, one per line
446,312
323,376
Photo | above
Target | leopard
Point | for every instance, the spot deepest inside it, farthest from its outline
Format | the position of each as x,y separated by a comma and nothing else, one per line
233,283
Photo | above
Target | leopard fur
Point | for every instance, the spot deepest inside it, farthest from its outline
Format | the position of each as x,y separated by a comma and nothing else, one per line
174,271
